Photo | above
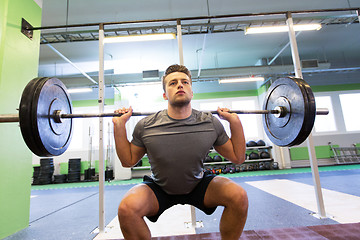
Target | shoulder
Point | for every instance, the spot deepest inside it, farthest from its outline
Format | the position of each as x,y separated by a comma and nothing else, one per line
202,115
154,118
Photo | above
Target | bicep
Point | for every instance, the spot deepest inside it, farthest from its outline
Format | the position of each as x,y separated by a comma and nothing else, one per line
137,153
226,149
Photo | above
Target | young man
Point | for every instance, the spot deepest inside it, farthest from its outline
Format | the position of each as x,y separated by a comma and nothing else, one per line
176,141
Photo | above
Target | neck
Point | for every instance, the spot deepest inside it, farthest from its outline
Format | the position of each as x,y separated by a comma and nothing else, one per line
179,112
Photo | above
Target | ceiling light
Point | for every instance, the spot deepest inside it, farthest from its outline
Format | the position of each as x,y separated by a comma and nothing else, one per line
282,28
138,38
79,90
140,84
235,80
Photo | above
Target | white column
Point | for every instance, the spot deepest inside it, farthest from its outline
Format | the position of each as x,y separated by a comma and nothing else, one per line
179,38
101,133
310,145
181,62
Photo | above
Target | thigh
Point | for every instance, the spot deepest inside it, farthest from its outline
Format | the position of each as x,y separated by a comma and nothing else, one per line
142,200
222,192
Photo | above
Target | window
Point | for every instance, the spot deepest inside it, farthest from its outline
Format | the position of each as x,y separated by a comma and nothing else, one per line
351,114
325,123
250,122
84,128
77,134
213,106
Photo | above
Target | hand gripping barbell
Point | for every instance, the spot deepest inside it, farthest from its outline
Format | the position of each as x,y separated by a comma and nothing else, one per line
45,114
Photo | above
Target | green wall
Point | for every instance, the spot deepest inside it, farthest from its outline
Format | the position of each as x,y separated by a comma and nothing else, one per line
19,58
302,153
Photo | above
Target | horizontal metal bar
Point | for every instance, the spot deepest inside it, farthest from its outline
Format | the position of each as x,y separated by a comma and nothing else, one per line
195,18
90,115
9,118
15,117
322,111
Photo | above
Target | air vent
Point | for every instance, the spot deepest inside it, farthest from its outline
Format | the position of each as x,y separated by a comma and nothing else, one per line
310,63
151,74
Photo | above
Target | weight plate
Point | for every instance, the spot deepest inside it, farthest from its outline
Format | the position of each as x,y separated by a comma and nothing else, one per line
25,112
310,112
296,125
44,136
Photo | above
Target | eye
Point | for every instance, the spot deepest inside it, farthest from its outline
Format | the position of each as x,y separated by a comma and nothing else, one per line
171,83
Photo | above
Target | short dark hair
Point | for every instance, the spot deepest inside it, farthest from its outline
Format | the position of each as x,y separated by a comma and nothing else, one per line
176,68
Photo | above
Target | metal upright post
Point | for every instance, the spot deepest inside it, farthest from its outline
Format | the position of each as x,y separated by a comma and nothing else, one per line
181,61
101,133
179,38
310,145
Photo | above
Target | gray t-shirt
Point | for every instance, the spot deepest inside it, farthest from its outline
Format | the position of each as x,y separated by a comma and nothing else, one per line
176,148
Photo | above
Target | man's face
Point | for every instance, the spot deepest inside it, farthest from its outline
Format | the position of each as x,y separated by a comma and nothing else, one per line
178,90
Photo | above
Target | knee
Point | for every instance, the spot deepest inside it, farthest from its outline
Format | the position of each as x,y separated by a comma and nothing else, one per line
127,209
239,199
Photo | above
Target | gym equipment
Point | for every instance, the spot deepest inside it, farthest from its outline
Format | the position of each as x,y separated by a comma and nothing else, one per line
217,158
296,96
243,168
261,166
251,143
46,171
74,170
208,159
250,167
45,114
253,155
264,154
275,165
260,143
267,165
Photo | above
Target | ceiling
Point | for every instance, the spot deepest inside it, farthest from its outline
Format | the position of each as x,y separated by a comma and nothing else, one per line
213,47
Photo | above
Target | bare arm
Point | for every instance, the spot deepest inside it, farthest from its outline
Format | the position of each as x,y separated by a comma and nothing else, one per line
128,153
234,149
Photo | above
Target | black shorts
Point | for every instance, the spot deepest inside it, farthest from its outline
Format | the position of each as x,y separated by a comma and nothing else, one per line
194,198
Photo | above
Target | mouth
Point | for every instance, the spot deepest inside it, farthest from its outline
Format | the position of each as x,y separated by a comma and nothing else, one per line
180,92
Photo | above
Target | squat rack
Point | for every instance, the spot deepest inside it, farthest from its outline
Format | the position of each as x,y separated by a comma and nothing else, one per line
27,29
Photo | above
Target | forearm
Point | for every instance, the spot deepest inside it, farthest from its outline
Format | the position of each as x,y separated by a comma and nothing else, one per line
122,145
237,140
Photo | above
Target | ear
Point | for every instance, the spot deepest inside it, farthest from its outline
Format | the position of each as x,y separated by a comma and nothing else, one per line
164,96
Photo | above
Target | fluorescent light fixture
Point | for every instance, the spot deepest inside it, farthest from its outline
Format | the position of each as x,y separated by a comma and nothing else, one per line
236,80
138,38
282,28
79,90
141,84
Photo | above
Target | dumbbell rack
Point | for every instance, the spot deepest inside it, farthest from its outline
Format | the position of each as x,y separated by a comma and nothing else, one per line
246,161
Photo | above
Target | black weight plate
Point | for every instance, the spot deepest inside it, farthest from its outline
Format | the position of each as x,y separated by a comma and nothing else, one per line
46,137
287,130
25,112
310,112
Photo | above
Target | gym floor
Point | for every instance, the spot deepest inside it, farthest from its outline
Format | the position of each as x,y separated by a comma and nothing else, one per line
279,199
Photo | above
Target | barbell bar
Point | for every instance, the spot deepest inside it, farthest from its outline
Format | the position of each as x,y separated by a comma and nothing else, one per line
45,114
57,115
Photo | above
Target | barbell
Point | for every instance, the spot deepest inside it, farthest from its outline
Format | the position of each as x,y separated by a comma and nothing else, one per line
45,114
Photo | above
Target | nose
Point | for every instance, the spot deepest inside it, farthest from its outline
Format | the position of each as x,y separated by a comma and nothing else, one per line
180,85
